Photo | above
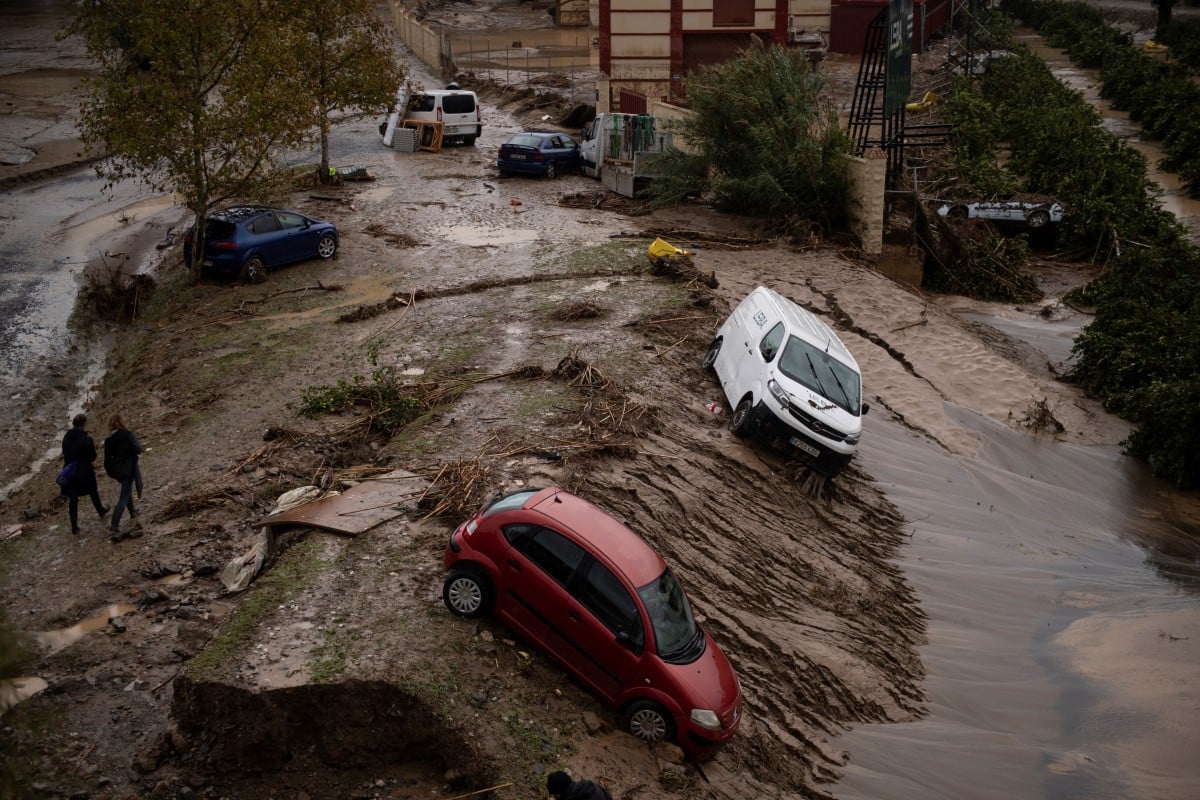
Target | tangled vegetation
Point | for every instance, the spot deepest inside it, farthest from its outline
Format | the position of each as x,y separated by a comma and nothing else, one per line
763,141
1162,96
1141,353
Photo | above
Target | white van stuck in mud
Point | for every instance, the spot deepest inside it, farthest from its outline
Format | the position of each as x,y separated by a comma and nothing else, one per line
456,109
790,380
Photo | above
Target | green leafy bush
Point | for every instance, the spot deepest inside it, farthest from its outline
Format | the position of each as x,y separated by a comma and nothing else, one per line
764,141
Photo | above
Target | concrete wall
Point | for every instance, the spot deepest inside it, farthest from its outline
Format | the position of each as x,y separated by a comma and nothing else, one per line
425,43
868,178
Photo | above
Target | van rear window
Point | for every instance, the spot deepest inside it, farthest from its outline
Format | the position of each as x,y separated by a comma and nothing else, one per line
458,104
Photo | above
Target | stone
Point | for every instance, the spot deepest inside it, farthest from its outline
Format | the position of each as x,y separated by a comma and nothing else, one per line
668,752
593,723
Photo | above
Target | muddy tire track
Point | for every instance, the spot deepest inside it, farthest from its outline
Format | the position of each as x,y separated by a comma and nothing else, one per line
802,595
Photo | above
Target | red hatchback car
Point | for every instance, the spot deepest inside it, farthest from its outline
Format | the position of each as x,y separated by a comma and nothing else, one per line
591,593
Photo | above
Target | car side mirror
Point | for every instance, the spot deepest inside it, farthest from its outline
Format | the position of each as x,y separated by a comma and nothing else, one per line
865,408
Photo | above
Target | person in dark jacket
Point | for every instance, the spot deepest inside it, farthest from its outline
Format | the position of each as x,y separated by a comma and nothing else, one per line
121,451
560,785
78,447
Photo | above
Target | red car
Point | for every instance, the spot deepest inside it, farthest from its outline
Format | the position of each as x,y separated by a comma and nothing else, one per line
591,593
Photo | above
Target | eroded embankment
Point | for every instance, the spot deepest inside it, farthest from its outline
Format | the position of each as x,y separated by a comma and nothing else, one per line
348,729
802,594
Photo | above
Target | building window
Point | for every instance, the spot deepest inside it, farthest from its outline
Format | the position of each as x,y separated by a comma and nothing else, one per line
733,12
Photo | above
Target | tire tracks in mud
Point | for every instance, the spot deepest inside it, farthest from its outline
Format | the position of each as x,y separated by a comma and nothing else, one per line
804,596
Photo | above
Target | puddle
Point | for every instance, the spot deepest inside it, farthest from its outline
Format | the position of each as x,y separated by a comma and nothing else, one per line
15,690
54,641
526,51
172,580
475,236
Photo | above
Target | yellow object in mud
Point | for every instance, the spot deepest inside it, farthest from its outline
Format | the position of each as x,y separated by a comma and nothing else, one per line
660,249
1154,46
928,101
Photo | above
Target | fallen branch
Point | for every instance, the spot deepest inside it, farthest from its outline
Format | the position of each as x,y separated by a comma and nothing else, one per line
320,286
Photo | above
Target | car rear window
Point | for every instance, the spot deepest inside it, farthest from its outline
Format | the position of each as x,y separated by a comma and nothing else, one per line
458,104
509,501
218,230
525,140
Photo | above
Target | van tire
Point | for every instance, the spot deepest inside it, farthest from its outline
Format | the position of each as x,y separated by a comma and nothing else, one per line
739,423
710,358
469,141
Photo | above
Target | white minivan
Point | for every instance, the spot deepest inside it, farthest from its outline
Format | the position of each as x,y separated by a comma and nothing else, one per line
790,380
456,109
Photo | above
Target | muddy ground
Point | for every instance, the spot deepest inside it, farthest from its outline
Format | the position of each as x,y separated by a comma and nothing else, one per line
339,673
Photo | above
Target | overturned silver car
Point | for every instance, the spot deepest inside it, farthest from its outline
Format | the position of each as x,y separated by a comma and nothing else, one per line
1034,213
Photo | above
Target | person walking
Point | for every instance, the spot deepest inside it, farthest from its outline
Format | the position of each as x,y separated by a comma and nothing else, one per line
79,449
121,451
560,786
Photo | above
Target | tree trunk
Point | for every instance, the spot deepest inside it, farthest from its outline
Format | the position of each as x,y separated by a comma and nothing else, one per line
326,173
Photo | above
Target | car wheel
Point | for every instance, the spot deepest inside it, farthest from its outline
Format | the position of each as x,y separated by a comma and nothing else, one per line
467,593
649,722
504,173
710,357
469,141
1038,219
551,171
957,212
254,270
739,423
327,246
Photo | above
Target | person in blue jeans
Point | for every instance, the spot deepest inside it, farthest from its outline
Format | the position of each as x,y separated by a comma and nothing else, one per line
79,449
121,451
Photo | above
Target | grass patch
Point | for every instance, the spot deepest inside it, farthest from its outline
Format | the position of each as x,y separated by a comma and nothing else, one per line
329,658
292,573
614,255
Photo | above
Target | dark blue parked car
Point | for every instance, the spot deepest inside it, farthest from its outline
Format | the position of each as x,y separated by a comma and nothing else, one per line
539,153
246,241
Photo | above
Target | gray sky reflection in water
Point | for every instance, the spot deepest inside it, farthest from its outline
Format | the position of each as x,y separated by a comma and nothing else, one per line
1061,662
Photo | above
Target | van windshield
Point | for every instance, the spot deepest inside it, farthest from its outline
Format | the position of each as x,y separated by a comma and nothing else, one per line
821,372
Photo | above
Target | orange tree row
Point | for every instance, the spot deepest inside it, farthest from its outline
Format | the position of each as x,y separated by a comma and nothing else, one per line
1141,353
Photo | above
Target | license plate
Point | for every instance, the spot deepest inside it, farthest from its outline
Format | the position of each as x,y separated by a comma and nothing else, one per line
208,263
804,446
517,156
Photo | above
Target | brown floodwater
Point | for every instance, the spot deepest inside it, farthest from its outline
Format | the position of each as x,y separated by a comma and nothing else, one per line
53,641
1062,585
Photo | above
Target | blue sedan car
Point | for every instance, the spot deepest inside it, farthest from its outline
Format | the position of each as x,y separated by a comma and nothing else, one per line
246,241
539,153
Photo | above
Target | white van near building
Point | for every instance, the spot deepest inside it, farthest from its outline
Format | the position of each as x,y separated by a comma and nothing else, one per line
789,380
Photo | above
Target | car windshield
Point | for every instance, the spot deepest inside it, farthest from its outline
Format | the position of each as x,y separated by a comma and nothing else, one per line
675,629
509,501
822,373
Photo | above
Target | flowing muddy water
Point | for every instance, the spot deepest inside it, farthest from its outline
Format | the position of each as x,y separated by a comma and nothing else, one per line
1062,585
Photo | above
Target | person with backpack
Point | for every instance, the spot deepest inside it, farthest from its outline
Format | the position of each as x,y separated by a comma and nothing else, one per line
79,450
121,451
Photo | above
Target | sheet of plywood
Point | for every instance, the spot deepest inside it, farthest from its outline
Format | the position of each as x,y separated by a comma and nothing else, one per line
359,508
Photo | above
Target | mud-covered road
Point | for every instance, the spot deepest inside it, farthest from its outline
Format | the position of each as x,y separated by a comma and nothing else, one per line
995,590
